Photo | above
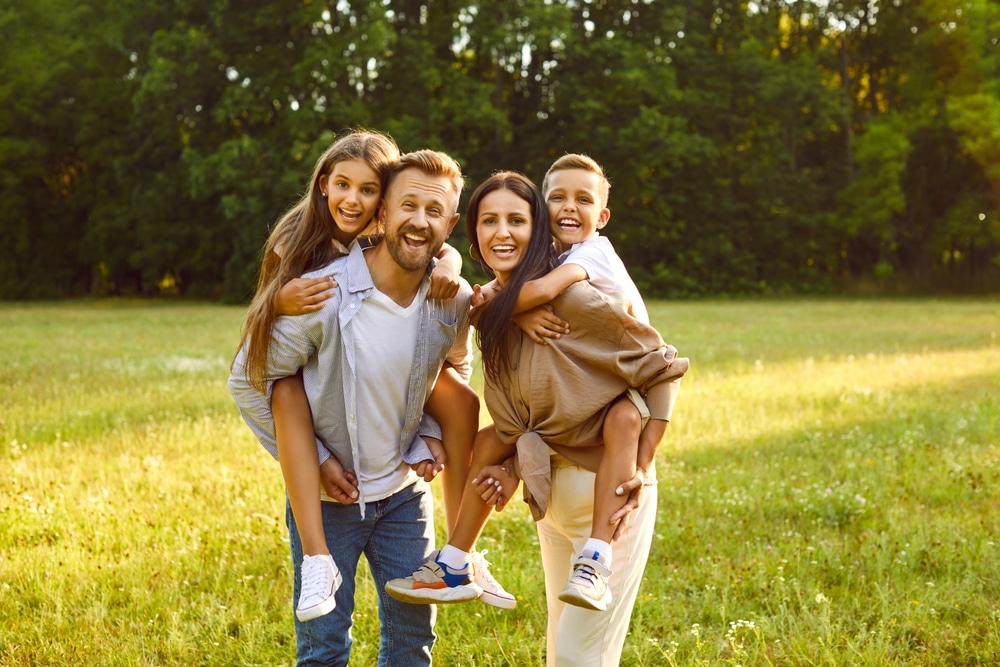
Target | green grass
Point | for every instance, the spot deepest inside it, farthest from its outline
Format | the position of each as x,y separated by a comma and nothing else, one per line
828,496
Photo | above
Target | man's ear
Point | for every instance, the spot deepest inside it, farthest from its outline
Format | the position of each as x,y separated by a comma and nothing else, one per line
451,225
603,217
380,216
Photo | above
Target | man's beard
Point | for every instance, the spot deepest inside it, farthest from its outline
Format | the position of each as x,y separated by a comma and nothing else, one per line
407,259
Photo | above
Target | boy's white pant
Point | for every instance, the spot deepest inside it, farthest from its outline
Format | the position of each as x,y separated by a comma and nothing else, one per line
579,637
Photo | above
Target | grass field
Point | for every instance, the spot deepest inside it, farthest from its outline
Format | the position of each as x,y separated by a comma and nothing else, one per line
829,495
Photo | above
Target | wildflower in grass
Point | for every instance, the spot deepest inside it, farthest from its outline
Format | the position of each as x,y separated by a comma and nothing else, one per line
821,599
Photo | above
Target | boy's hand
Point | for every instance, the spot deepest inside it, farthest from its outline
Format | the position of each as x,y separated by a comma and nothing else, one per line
481,294
444,281
496,485
338,483
303,295
540,323
429,468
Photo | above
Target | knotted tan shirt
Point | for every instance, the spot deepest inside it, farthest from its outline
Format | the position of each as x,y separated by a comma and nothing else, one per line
558,394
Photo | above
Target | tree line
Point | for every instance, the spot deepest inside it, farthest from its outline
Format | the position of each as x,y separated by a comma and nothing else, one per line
767,147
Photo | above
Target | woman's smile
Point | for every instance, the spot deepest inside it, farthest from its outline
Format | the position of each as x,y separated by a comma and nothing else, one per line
504,231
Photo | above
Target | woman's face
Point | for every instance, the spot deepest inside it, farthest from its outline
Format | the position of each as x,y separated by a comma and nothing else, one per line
503,228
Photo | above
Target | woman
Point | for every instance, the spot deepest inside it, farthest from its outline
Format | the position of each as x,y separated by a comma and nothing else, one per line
552,401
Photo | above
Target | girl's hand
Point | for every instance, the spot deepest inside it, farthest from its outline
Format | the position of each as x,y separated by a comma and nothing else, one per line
303,295
444,281
496,485
540,323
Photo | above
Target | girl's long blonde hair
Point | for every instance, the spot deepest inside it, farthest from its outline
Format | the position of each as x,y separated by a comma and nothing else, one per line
302,242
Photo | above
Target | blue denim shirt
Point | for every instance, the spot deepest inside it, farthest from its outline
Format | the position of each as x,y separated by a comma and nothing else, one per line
322,344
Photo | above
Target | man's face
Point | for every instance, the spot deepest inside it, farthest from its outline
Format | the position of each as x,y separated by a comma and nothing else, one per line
419,217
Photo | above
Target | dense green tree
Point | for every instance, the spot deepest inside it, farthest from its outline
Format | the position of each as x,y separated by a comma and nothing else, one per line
753,146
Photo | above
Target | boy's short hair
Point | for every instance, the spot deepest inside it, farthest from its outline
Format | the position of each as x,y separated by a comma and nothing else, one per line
432,163
586,163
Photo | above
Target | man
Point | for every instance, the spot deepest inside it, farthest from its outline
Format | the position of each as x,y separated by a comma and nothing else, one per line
369,360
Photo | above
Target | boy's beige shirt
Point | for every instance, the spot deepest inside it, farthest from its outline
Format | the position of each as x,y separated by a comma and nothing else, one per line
559,394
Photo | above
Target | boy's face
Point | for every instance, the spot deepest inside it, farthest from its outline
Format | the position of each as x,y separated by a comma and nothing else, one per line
576,210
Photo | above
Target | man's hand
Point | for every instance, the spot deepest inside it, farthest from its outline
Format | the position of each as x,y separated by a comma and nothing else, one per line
338,483
541,323
429,469
633,489
303,295
496,485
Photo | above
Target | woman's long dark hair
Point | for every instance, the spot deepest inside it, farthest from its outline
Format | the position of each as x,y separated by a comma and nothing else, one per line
495,331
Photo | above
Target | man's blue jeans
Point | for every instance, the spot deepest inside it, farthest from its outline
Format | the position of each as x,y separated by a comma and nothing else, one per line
395,536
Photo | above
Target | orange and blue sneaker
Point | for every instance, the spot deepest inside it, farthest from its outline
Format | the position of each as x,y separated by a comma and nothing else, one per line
435,583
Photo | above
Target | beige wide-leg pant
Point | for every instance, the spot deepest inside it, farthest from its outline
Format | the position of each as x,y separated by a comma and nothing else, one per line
579,637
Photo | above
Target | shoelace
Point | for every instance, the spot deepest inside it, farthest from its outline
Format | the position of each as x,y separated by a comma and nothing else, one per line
585,572
318,582
484,571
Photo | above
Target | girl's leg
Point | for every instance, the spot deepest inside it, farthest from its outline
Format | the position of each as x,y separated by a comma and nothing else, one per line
622,427
461,575
474,514
293,426
293,429
455,406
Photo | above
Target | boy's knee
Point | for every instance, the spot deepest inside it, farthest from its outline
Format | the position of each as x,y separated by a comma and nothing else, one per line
624,415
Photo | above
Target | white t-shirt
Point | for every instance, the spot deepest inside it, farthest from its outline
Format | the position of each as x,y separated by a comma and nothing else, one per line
386,335
606,271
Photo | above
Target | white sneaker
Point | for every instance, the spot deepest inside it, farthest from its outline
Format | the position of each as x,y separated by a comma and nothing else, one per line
493,593
588,585
320,581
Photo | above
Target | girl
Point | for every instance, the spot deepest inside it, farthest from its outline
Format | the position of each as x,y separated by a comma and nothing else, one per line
343,203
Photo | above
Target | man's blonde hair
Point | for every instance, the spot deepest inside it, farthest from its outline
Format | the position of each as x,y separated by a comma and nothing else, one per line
431,163
586,163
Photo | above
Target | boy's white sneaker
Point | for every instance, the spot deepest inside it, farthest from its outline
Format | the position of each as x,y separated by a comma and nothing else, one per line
493,593
320,581
588,585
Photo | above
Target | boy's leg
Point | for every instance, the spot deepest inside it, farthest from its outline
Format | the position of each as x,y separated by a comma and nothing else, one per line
588,585
622,427
580,637
455,406
402,537
300,468
327,640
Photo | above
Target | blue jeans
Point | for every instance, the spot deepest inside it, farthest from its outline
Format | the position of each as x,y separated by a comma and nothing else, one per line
395,536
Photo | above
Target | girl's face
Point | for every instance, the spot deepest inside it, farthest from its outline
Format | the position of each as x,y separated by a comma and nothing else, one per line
503,229
353,192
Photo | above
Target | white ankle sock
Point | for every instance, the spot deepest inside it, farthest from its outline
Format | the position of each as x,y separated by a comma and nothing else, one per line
598,550
454,558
